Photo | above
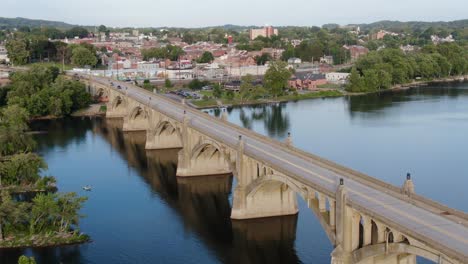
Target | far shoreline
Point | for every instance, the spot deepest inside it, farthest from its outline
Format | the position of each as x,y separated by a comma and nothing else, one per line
394,88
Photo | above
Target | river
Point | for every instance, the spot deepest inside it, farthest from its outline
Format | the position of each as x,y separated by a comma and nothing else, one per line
139,212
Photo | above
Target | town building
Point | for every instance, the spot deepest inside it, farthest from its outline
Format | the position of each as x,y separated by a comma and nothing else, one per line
266,32
356,51
294,60
326,59
382,33
337,77
306,81
436,39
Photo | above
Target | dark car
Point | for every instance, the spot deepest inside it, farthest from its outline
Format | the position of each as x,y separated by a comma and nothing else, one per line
119,87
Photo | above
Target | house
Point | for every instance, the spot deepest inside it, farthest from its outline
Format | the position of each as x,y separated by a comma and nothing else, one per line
326,59
306,80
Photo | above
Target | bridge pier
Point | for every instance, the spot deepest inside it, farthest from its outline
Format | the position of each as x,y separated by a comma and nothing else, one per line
272,199
257,198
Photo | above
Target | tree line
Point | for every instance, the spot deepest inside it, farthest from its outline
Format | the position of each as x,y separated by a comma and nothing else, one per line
41,91
26,48
382,69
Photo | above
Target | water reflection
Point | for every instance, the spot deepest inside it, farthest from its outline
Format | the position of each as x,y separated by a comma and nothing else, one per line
52,255
274,117
378,101
203,204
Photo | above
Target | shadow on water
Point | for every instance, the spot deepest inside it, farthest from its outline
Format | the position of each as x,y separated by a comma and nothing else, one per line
202,204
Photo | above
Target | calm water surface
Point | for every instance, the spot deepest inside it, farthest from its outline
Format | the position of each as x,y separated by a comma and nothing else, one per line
139,212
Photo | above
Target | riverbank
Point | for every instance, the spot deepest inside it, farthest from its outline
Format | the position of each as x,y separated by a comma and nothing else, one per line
45,240
210,103
406,86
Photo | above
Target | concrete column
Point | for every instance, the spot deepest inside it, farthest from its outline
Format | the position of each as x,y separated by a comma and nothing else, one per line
332,213
322,202
342,252
367,224
184,155
408,186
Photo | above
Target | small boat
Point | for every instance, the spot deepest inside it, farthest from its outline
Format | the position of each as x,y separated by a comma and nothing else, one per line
87,188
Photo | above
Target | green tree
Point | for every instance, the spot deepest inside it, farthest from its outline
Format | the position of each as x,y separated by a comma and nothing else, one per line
13,125
263,59
356,83
246,87
21,169
80,32
168,83
207,57
26,260
83,57
18,51
276,77
217,91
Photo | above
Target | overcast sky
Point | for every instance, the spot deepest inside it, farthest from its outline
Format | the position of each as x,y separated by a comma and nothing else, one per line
192,13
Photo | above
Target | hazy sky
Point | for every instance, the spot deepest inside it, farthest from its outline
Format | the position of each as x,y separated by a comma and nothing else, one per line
190,13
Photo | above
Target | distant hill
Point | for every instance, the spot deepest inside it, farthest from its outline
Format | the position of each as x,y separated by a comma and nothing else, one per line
21,22
400,26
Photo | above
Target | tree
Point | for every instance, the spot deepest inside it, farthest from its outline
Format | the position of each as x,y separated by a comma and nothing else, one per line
13,124
80,32
69,205
263,59
168,83
21,169
356,83
217,91
276,77
207,57
26,260
18,51
83,57
246,87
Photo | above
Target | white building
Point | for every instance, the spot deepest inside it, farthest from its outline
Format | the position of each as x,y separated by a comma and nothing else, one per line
337,77
3,55
294,61
436,39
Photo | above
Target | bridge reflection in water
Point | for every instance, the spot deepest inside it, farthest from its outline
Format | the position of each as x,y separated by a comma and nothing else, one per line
203,204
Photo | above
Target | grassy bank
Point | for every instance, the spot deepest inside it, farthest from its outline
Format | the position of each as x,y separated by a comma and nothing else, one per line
208,103
44,240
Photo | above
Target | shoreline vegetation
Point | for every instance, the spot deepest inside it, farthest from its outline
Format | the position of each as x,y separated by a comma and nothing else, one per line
32,211
325,93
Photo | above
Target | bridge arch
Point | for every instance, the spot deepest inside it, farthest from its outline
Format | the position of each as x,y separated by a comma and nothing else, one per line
271,177
165,135
137,119
117,107
102,94
364,254
207,157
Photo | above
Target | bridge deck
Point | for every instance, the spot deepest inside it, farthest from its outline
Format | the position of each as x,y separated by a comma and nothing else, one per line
420,219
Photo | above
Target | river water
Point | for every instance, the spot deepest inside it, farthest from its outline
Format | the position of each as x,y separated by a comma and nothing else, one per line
139,212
